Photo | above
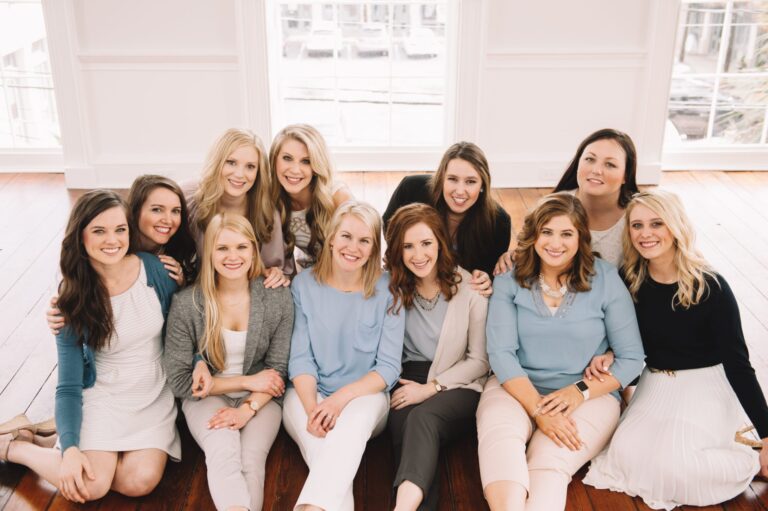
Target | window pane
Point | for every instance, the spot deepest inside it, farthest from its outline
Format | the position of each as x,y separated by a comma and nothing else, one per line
739,125
28,116
382,66
730,87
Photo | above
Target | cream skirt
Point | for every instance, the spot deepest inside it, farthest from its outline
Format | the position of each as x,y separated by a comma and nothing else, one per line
675,442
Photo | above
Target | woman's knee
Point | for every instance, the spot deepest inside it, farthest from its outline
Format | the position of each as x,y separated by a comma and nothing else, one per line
139,484
98,487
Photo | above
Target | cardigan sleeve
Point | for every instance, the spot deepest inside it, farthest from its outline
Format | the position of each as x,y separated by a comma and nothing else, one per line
475,361
729,336
501,329
280,343
621,328
69,389
180,344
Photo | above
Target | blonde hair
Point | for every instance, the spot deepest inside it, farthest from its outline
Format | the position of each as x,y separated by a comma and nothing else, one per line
260,208
372,268
322,206
211,345
693,270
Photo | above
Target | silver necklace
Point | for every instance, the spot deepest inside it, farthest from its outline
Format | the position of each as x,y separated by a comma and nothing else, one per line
549,291
426,303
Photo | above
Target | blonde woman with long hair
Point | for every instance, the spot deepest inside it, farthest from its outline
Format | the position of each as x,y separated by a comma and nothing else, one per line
304,190
236,179
345,356
241,330
688,403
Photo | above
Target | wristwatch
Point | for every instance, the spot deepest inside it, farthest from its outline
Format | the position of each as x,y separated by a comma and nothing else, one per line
439,388
253,405
583,388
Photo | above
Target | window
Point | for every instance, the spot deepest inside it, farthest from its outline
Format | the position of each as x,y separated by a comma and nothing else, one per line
366,74
28,117
719,90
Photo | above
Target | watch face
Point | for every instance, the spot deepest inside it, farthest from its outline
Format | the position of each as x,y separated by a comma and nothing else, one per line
582,386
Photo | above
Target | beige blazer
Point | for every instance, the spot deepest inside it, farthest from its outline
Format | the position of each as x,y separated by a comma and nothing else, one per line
461,360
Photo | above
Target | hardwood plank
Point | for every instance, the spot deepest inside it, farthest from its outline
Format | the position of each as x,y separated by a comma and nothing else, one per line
578,498
32,493
463,471
377,476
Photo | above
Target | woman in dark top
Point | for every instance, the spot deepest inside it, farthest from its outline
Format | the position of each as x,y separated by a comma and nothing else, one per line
688,402
460,190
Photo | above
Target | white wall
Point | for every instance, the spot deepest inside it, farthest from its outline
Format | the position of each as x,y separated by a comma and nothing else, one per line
146,85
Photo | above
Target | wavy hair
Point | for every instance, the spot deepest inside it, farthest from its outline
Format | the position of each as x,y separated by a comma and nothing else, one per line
260,208
322,206
181,246
528,262
83,298
402,282
628,188
372,267
693,270
211,344
476,227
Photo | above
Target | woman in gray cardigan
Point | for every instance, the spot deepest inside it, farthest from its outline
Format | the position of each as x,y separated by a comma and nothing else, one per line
444,357
234,327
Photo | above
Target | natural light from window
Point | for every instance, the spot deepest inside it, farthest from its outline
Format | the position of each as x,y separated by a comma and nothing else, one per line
367,74
28,117
719,90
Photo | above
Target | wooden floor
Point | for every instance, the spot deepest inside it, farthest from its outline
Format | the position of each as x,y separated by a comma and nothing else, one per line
730,211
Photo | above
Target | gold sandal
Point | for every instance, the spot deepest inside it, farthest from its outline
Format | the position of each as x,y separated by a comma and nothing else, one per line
14,425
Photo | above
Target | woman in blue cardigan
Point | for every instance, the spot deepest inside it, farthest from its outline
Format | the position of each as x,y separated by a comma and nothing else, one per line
115,414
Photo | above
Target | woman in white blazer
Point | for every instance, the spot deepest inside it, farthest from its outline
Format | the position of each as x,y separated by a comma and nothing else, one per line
444,357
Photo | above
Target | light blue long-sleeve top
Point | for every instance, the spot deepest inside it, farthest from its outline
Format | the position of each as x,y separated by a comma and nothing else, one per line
339,337
525,339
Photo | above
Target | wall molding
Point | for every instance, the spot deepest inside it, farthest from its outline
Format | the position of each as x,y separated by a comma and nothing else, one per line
749,158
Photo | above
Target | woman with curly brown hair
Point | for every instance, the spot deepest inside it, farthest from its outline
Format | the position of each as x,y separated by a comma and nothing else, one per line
557,308
444,359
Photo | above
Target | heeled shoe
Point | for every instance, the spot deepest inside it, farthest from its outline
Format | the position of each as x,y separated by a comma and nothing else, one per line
21,435
14,425
44,428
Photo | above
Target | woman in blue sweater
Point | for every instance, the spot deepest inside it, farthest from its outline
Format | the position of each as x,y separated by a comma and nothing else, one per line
345,356
115,413
556,309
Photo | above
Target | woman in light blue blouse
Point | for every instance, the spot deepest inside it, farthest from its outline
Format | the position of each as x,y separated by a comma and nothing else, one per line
547,318
345,356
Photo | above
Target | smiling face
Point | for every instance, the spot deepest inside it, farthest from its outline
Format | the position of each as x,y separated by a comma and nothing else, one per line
557,244
232,255
239,171
650,235
293,168
461,186
105,238
601,168
420,251
159,218
352,245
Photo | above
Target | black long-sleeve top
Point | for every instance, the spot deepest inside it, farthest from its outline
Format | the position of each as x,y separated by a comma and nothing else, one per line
703,335
415,188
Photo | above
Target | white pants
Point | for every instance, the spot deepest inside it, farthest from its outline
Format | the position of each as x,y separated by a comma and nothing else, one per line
333,460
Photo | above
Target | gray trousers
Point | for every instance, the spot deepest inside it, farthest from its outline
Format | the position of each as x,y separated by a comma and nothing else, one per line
235,459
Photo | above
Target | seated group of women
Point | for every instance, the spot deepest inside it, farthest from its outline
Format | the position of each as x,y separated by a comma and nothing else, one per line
602,278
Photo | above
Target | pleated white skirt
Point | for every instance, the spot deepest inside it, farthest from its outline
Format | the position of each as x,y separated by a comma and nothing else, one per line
675,442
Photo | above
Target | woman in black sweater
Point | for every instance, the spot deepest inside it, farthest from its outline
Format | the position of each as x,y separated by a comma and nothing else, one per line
460,190
675,443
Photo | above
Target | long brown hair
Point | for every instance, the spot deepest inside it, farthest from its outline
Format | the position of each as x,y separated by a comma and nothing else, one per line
402,281
322,206
83,297
477,225
628,188
181,246
527,261
261,209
